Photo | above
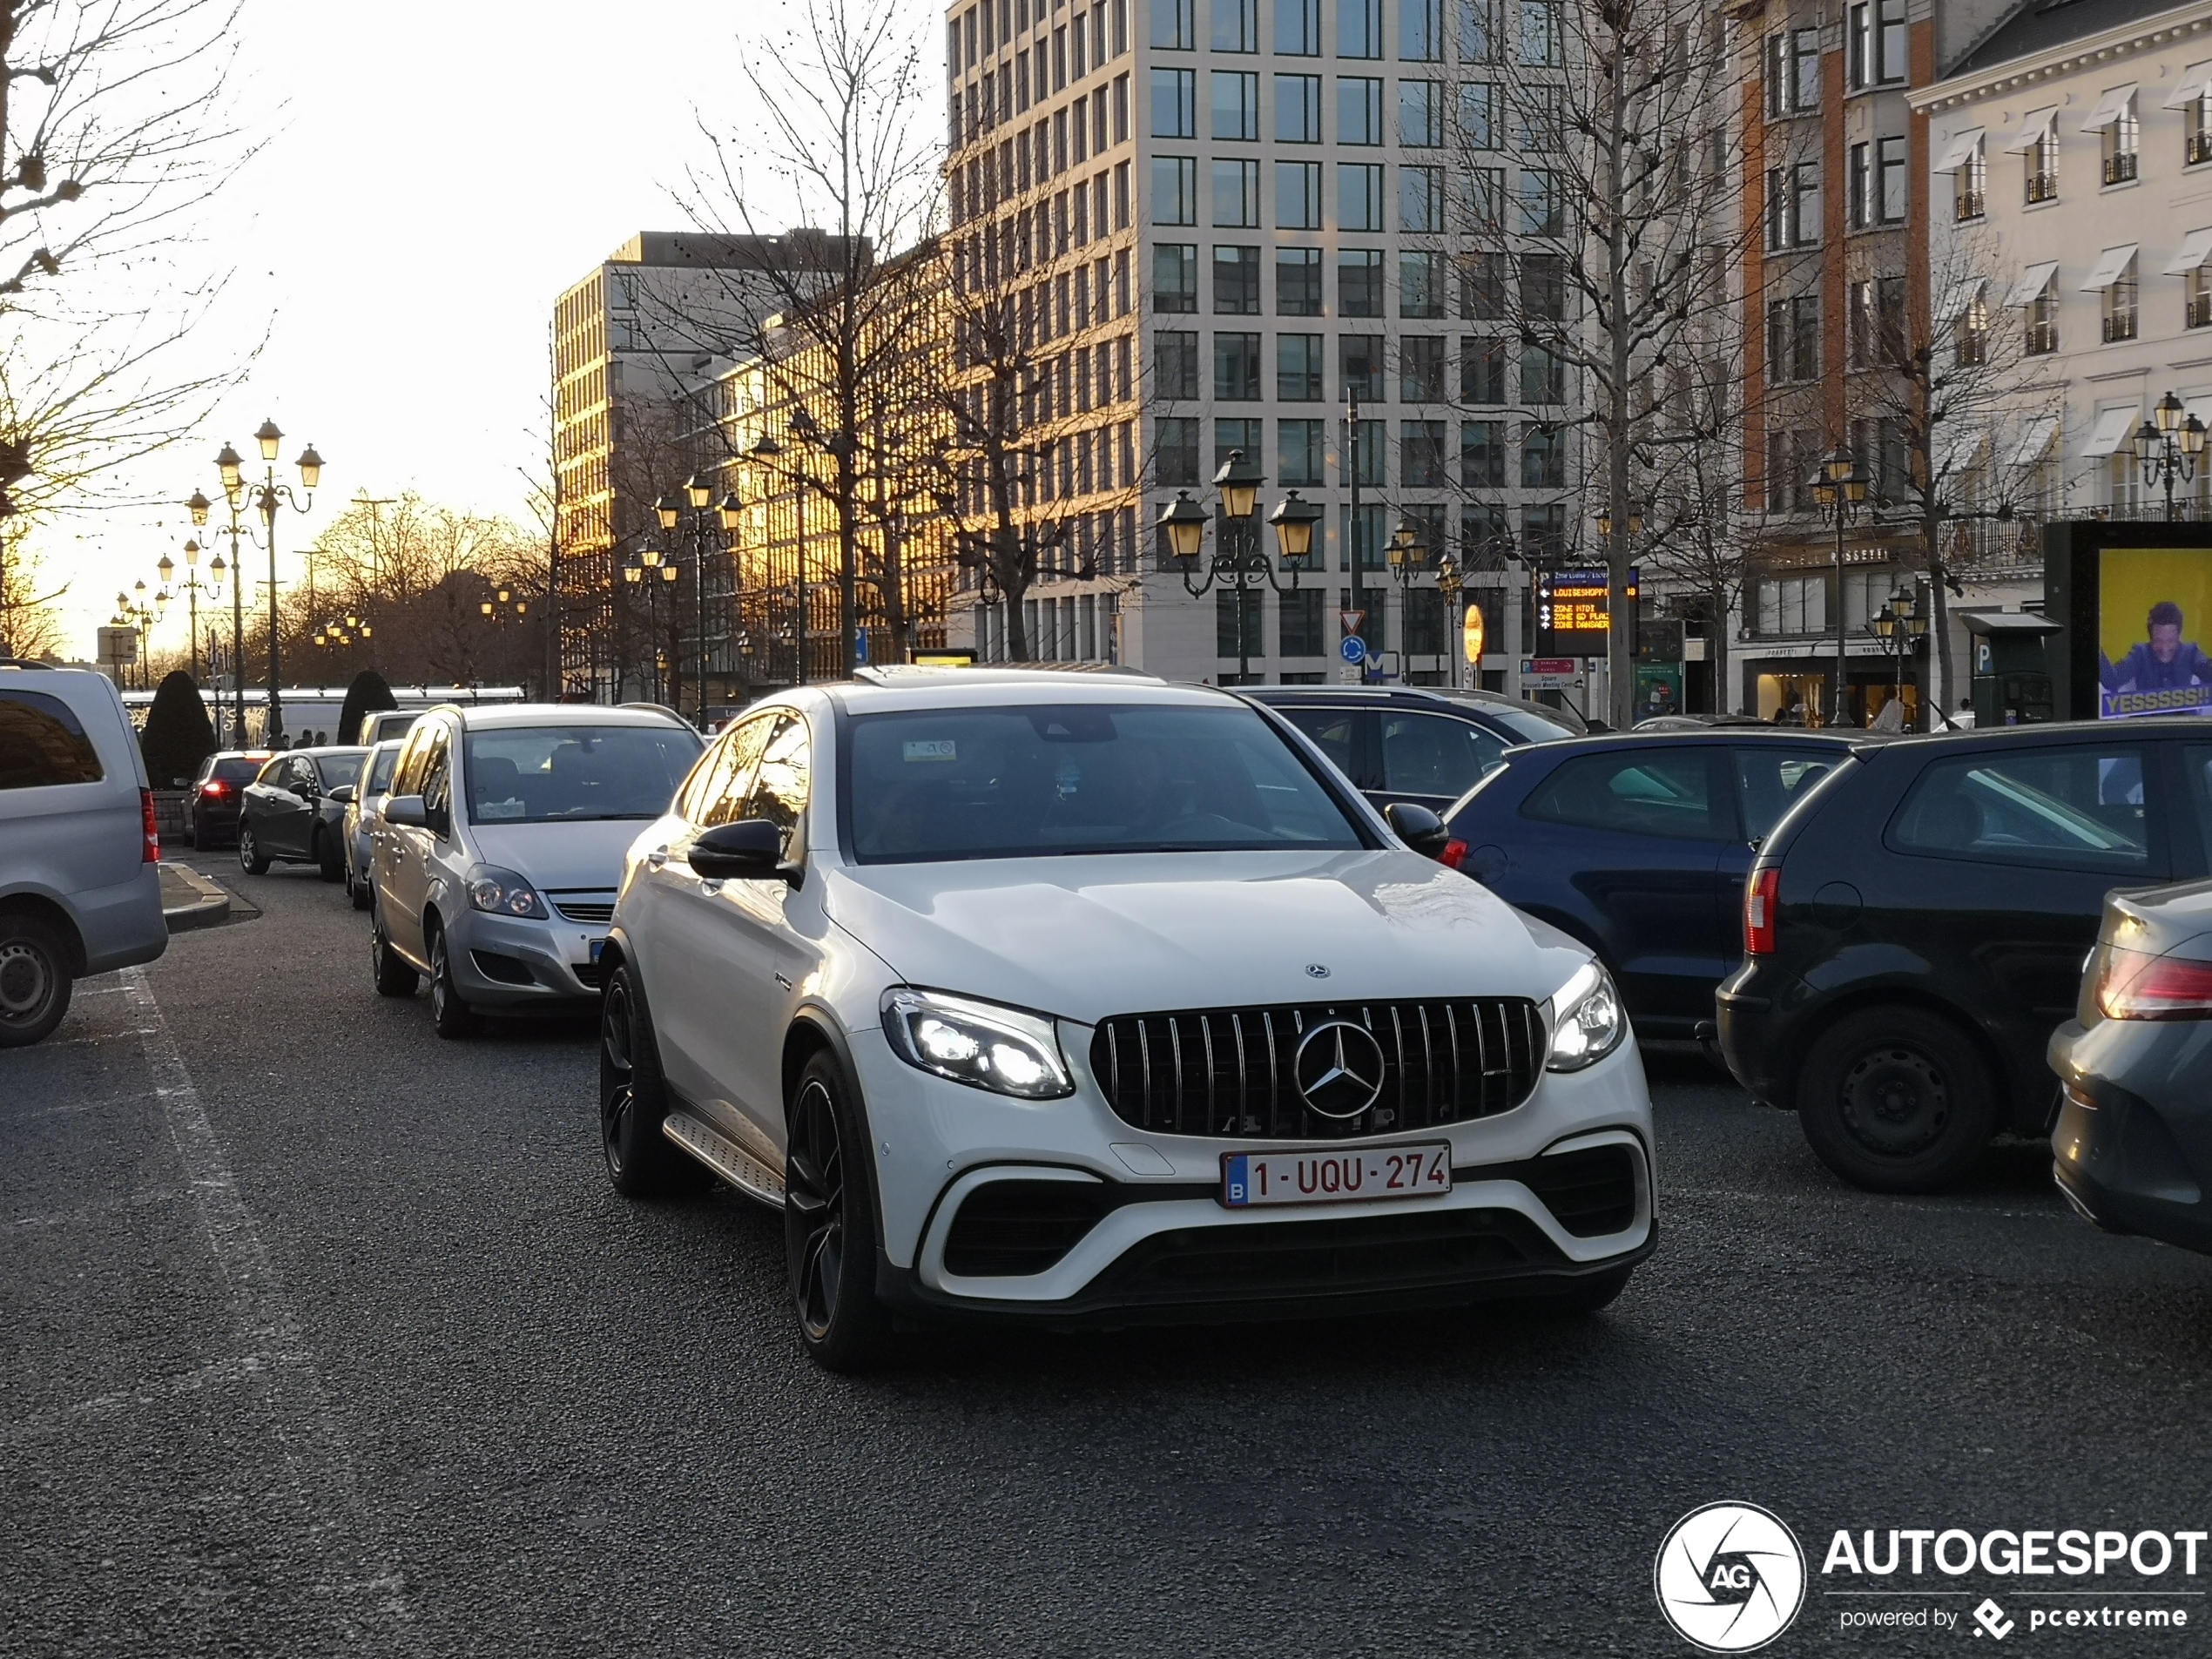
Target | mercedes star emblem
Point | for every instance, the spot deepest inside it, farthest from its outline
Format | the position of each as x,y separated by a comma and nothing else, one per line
1339,1069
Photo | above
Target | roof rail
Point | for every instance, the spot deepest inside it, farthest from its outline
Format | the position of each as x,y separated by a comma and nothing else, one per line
21,662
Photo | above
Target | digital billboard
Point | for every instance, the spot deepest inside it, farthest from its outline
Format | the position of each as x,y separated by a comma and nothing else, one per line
1573,609
2154,606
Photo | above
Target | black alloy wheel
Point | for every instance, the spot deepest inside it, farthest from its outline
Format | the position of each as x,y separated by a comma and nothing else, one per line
35,981
450,1016
829,1226
394,973
249,850
633,1101
1895,1099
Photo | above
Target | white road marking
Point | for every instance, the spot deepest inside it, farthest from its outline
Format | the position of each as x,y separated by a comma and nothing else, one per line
369,1589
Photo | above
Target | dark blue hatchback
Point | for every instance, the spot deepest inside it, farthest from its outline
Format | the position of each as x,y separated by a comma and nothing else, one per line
1638,844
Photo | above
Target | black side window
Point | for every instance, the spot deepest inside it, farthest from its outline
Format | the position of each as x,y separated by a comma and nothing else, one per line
1434,754
437,775
1635,792
1337,732
42,742
781,784
2078,807
1773,780
276,773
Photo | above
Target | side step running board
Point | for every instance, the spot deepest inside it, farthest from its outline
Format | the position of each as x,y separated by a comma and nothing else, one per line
724,1157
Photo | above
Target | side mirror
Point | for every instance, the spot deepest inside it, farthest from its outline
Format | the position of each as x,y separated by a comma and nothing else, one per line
407,812
1418,828
343,794
305,792
751,851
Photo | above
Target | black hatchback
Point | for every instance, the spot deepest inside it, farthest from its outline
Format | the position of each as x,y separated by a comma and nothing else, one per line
1411,743
1914,932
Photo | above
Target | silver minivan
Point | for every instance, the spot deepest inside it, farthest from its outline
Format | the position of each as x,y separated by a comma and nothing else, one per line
80,873
493,865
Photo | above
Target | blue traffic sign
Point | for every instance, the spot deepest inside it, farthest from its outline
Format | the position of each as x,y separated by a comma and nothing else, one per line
1352,649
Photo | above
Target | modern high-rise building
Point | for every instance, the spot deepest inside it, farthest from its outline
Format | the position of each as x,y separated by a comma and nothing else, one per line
1222,224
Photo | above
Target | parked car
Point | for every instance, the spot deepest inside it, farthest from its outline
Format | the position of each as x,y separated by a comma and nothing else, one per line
1638,844
1132,1008
2133,1143
1914,931
295,812
362,807
211,802
496,856
384,725
1415,743
80,878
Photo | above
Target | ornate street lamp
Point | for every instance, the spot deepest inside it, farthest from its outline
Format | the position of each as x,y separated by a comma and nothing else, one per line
2168,451
1838,488
1242,566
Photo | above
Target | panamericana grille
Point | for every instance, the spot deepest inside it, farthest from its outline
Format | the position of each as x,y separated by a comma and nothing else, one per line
584,905
1233,1071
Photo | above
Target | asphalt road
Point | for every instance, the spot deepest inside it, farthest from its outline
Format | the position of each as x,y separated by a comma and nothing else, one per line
321,1335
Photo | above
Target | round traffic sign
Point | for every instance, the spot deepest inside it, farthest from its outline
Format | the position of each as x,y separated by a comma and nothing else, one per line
1352,649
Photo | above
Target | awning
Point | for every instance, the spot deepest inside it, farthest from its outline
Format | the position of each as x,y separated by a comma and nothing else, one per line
1963,293
2199,405
1959,150
2111,266
2113,427
1955,447
2032,281
2196,248
2034,126
2196,82
2035,439
2109,108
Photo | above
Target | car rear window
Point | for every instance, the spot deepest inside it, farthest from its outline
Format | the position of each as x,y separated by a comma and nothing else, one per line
2075,806
1634,792
42,742
235,772
380,772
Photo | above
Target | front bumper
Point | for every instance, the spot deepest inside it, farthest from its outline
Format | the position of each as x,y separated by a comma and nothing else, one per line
2134,1140
515,965
1154,1242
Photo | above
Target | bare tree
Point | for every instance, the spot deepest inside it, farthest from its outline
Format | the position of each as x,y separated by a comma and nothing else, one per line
30,626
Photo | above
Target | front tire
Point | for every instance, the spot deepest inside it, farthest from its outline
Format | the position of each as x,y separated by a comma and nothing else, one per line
35,982
633,1101
451,1017
1897,1100
330,858
250,859
829,1223
394,975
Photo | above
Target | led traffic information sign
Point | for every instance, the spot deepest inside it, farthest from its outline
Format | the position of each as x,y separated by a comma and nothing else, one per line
1573,611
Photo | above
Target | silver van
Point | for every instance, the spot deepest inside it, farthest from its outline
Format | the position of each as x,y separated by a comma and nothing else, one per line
380,726
80,873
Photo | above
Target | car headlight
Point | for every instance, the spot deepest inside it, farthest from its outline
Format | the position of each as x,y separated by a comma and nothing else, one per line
502,893
1588,1022
981,1044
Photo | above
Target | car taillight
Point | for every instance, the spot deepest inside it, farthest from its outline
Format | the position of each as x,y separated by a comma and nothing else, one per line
152,827
2134,985
1453,855
1761,895
215,786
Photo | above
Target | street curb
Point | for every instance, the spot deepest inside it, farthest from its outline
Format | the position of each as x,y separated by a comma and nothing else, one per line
191,901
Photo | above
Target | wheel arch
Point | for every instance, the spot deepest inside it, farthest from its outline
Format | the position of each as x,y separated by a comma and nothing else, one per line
36,907
1920,1001
813,1032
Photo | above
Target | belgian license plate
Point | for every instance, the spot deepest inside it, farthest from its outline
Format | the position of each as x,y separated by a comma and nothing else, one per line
1252,1180
597,945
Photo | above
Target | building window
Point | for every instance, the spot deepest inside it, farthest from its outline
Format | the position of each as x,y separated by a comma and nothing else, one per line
1542,118
2040,326
1175,355
1482,370
1175,190
1235,25
1297,28
1481,39
2122,140
1540,34
1543,375
1482,287
1236,368
1420,452
1877,44
2120,316
1298,195
1421,285
1420,114
1970,185
1483,455
1790,605
1543,286
1478,120
1542,212
1298,368
1236,193
1235,608
1359,188
1236,281
1360,28
1362,358
1889,180
1175,277
1171,29
1483,199
1368,444
2043,163
1972,323
1420,31
1175,104
1793,339
1874,322
1420,199
1299,449
1792,206
1178,463
1298,109
1360,118
1298,281
1543,530
1359,282
2197,120
1420,369
1792,73
1235,105
1300,630
2197,299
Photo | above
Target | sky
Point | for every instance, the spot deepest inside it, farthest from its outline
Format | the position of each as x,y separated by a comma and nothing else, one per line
431,177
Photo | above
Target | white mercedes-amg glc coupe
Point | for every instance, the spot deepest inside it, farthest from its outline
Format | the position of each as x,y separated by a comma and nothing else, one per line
1089,999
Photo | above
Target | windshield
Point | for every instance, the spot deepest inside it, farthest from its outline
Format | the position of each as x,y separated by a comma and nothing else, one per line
338,769
1052,779
380,771
544,774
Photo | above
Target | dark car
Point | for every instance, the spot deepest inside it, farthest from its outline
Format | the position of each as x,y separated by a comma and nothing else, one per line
2133,1144
1413,744
1638,844
1914,933
295,811
211,802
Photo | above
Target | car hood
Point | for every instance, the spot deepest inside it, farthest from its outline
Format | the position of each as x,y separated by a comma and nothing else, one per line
1086,938
588,854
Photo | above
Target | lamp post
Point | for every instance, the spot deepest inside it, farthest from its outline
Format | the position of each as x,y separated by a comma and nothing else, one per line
267,496
135,613
2169,448
1900,625
1837,489
706,515
650,573
193,588
1241,568
1452,585
198,506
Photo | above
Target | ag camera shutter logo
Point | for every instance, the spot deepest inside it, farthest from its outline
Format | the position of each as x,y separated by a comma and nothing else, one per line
1730,1577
